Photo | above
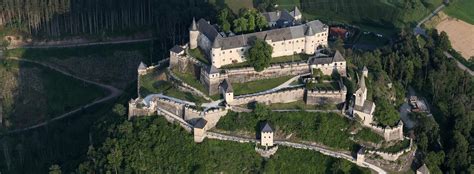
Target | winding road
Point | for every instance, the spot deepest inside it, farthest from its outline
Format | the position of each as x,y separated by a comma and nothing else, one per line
67,45
114,92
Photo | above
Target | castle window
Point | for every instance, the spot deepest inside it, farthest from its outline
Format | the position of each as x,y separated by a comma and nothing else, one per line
273,44
341,63
313,41
213,55
242,50
242,57
230,51
296,41
283,43
223,52
301,50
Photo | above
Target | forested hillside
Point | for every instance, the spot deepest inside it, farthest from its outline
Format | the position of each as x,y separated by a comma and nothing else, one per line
447,144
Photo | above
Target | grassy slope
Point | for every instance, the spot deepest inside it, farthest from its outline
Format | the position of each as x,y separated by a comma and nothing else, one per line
462,9
32,93
153,84
258,85
175,151
234,5
326,128
112,64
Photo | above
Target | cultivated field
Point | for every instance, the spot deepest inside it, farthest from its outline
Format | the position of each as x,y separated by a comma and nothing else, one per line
461,35
462,9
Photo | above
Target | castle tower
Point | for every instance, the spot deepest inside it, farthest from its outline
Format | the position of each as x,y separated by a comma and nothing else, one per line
309,44
297,14
193,35
141,71
266,135
360,156
365,72
216,52
361,93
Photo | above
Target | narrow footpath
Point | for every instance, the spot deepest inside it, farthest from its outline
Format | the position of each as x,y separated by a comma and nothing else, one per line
113,93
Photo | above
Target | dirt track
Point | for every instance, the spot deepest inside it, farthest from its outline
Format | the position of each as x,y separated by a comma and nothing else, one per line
461,35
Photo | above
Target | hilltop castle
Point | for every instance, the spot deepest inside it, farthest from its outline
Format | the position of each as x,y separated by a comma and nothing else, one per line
293,38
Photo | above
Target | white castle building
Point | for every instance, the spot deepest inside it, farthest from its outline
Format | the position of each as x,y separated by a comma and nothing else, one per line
294,39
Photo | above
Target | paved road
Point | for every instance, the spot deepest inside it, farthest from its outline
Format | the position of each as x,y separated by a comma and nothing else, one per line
82,44
418,29
435,12
460,65
114,92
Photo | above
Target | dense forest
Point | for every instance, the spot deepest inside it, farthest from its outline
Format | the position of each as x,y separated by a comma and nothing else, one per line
56,19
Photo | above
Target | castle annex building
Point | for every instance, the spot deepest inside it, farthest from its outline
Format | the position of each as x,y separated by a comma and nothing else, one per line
294,38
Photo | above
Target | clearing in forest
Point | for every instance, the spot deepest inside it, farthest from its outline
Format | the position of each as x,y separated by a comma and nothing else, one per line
460,34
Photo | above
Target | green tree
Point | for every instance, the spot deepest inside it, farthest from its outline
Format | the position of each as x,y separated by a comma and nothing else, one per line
119,109
240,25
261,21
260,55
115,158
55,169
385,113
223,19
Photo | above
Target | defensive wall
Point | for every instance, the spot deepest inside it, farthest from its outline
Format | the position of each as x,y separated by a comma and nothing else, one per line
283,96
389,133
183,111
391,156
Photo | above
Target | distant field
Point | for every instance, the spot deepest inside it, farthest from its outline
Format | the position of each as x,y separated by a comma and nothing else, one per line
461,35
235,5
462,9
30,94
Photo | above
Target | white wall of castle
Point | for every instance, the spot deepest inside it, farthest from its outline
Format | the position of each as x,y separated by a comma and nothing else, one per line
305,44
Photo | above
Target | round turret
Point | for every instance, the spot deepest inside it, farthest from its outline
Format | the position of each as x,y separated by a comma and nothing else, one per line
310,37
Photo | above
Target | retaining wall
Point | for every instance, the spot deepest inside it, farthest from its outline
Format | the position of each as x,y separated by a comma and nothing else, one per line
314,97
284,96
391,156
389,133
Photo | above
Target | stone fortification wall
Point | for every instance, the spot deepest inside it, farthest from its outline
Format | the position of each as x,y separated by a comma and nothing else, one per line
316,97
389,133
170,106
284,96
391,156
179,110
212,116
241,75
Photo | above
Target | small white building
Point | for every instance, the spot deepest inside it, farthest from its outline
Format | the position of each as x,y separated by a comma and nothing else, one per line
142,69
266,135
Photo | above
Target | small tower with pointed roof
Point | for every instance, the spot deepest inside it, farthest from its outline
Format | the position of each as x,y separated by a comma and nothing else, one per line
193,35
296,13
142,69
365,72
266,135
361,93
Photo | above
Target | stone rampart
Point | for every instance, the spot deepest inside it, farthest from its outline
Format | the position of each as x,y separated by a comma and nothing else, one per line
136,108
318,97
212,116
389,133
391,156
283,96
248,74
